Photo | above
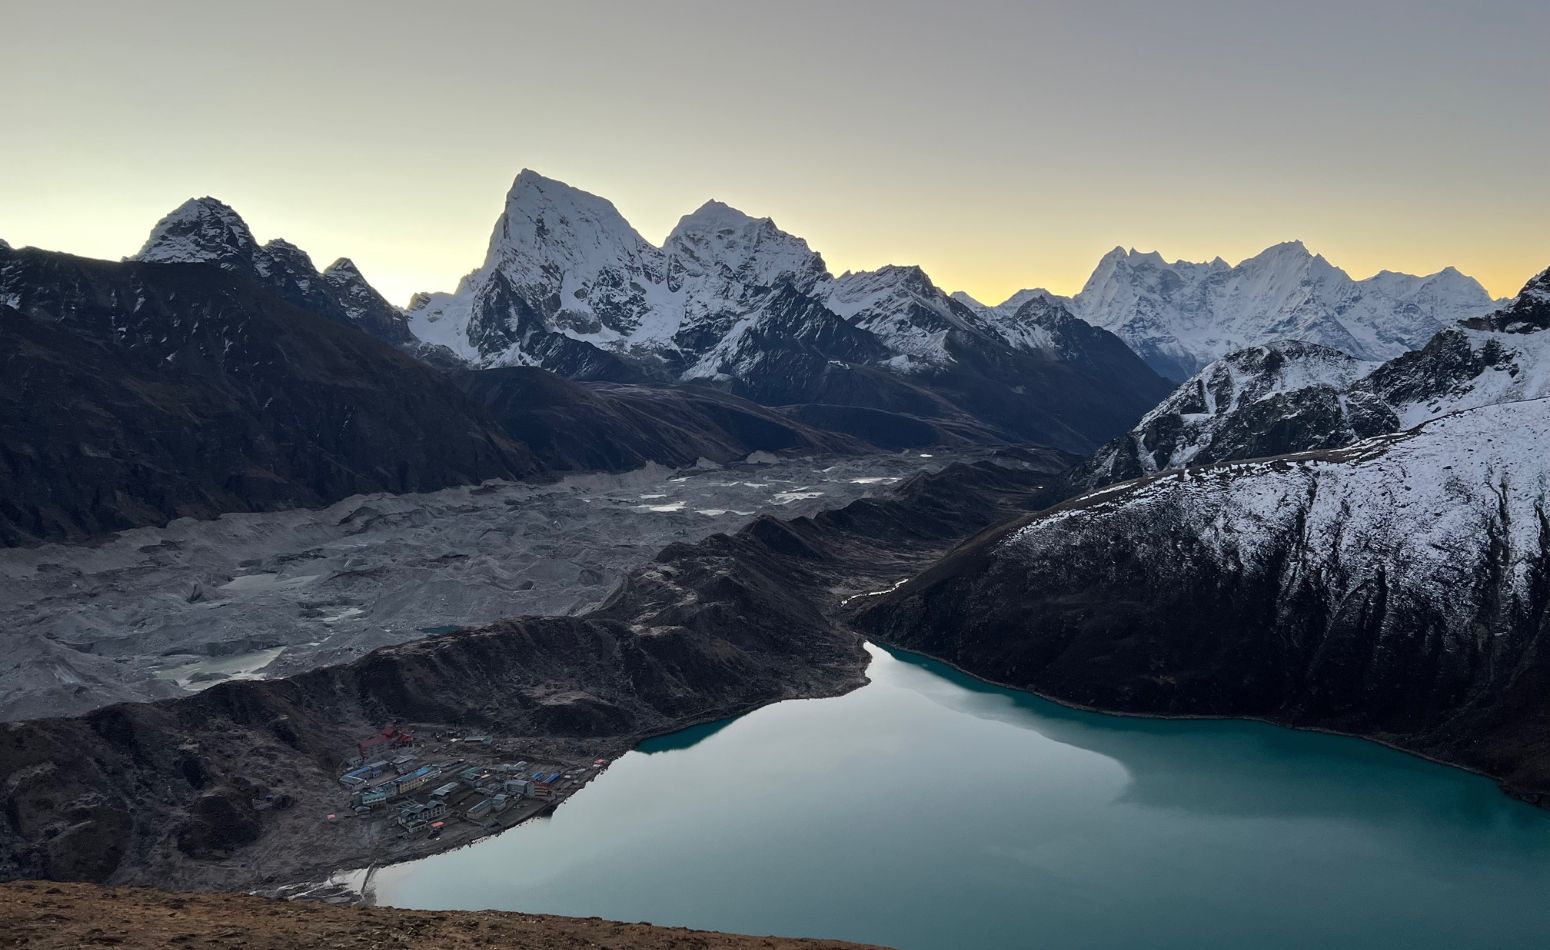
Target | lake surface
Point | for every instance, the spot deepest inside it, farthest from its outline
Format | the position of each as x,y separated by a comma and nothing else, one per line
929,810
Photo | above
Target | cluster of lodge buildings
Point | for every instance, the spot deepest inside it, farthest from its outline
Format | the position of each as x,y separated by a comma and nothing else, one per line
492,789
485,791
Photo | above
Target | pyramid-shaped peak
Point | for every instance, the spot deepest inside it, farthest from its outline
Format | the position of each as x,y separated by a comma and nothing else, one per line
343,269
531,188
199,229
1285,249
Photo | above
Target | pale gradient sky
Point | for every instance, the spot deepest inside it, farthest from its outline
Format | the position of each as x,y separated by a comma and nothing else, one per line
997,144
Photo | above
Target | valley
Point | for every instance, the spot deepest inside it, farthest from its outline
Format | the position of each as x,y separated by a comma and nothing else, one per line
230,787
943,476
154,612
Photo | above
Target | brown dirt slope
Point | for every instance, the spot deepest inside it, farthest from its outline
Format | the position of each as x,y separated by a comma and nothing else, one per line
40,915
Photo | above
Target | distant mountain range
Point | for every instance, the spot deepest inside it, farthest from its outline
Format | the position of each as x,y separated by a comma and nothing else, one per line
1289,396
729,301
1179,316
759,344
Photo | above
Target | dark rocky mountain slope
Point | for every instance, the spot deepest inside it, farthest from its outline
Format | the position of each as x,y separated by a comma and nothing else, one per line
134,393
1397,590
206,231
575,426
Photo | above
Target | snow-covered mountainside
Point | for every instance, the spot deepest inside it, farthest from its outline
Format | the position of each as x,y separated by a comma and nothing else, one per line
564,262
1180,316
1266,400
568,285
1396,588
1291,396
1500,357
206,231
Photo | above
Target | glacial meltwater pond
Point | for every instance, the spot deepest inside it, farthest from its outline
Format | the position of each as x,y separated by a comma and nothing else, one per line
929,810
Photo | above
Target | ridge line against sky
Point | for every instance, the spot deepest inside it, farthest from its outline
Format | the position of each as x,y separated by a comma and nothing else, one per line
997,145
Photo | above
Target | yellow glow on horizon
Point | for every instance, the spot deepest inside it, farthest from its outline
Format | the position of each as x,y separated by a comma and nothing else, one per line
405,256
996,145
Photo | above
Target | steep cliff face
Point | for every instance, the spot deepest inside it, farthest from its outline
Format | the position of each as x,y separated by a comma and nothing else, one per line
1396,589
224,788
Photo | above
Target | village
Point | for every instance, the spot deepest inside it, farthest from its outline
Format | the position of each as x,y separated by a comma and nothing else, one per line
423,779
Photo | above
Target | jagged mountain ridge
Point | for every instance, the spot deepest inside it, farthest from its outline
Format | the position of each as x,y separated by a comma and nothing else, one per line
1291,396
1182,315
731,300
138,392
1398,589
207,231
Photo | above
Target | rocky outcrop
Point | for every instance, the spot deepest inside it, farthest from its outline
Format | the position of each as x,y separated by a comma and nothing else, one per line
1266,400
1396,590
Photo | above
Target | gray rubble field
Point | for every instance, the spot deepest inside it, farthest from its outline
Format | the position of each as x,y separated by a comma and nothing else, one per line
156,612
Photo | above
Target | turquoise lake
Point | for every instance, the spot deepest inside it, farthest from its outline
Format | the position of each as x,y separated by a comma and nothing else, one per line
930,810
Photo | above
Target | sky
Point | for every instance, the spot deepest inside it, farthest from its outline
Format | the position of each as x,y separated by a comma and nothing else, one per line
999,145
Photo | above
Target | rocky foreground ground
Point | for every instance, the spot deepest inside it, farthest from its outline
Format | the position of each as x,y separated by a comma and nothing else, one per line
45,915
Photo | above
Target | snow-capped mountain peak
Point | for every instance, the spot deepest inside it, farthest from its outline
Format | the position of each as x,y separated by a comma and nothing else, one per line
207,231
1181,315
902,307
199,230
1295,395
717,239
549,224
